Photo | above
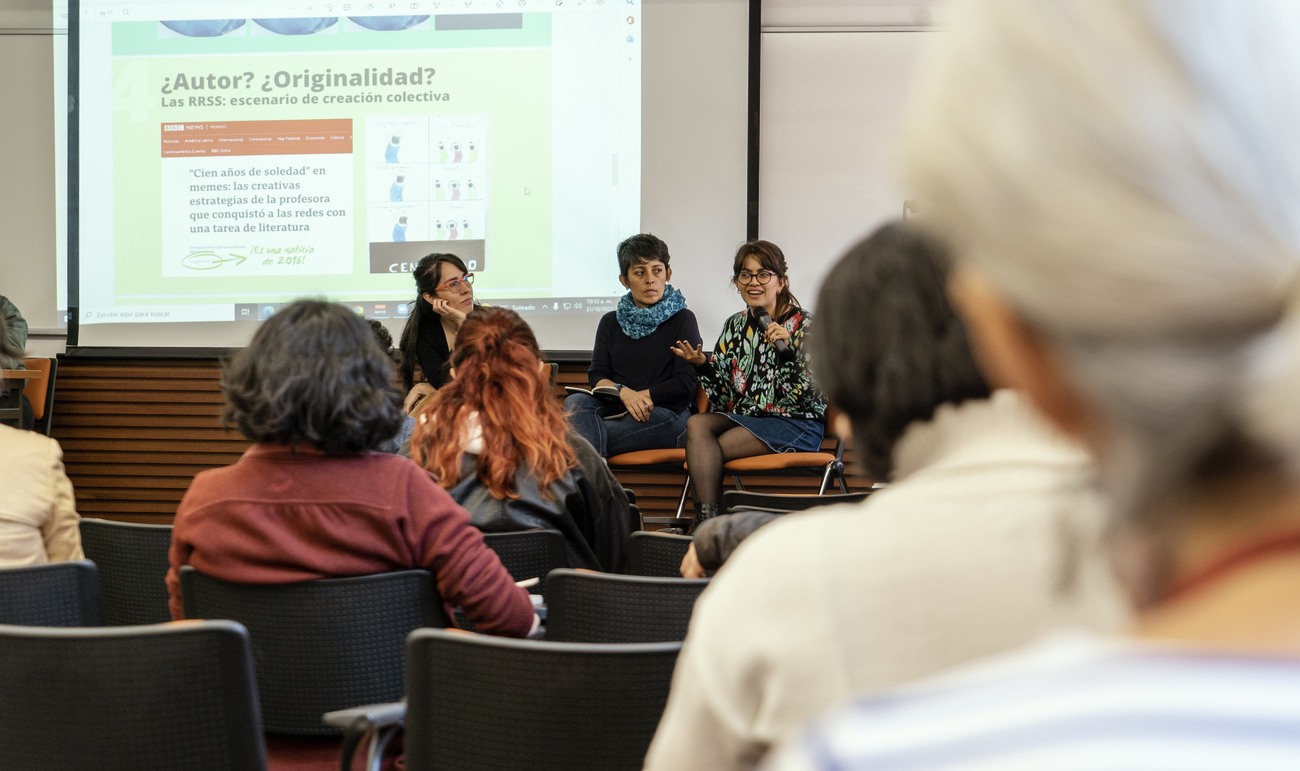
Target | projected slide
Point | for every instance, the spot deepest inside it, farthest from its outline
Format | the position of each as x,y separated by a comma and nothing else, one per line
230,164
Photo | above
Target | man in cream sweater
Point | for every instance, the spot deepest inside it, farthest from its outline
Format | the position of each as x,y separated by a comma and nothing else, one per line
987,537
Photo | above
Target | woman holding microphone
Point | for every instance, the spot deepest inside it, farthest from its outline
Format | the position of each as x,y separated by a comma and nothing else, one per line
761,394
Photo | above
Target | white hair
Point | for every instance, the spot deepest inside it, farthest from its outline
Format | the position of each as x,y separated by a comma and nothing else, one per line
1127,172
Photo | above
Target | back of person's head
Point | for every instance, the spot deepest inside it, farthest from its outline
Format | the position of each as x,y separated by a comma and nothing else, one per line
499,375
9,353
1126,175
642,247
313,373
889,348
428,277
382,335
770,257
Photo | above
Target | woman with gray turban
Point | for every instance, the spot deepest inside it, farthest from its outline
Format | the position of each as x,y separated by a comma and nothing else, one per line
1120,181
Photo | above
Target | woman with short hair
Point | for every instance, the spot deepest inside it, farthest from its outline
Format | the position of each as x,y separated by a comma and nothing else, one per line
312,499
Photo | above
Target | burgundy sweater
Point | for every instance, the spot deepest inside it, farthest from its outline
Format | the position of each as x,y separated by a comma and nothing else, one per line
279,516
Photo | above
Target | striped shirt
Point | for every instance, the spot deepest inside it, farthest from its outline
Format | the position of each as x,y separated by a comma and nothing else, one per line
1072,702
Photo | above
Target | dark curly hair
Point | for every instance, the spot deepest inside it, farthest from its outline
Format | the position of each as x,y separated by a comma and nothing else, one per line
894,348
313,373
642,247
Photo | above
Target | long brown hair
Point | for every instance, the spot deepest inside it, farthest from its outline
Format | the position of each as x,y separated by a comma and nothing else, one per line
770,256
428,277
498,376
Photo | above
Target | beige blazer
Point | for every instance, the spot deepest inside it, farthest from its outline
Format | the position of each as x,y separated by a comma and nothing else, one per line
38,517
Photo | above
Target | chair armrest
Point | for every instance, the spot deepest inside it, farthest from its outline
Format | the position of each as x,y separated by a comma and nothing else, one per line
367,717
379,721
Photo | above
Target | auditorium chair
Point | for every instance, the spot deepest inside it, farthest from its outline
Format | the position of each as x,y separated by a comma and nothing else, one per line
589,607
132,562
54,594
40,391
662,462
153,698
656,554
529,554
477,703
321,645
830,465
524,554
744,500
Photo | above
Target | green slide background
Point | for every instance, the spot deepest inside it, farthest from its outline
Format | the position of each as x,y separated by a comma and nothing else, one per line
511,85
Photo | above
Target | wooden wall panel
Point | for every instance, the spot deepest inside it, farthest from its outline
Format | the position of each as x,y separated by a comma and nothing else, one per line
135,432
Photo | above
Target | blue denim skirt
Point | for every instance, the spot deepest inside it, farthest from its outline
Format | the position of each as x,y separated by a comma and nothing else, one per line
783,434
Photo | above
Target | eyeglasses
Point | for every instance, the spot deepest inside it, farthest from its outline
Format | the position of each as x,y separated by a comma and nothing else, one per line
454,284
745,277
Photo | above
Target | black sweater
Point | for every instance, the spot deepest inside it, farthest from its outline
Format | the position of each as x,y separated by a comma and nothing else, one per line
648,362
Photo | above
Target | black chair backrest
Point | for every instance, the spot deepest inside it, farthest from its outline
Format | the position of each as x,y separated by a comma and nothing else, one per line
132,563
53,594
153,698
656,554
612,608
529,553
324,645
744,500
479,702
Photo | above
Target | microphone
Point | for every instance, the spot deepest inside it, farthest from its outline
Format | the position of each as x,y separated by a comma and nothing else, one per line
782,347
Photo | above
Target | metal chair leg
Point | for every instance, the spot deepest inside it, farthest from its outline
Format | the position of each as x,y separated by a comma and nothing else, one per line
826,478
686,489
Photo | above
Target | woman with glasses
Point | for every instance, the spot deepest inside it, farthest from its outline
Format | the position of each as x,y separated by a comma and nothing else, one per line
762,397
446,296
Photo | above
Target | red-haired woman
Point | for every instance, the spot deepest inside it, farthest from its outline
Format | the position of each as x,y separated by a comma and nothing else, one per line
496,438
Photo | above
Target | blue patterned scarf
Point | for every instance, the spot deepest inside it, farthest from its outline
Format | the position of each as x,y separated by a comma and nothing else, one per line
639,322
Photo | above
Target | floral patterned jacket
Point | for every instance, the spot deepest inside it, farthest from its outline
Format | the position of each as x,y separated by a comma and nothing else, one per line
747,377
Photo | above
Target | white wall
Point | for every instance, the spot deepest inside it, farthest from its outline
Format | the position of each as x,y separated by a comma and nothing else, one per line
27,202
830,103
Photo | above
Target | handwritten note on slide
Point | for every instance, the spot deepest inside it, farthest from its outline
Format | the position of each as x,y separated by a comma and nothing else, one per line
257,198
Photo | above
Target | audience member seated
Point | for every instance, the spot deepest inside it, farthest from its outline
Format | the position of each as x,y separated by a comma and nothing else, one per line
1130,261
715,540
385,340
986,537
13,339
444,295
310,500
38,515
762,398
495,437
633,353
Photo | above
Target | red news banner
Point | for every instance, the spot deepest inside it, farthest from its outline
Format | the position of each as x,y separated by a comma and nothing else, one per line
257,198
257,137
